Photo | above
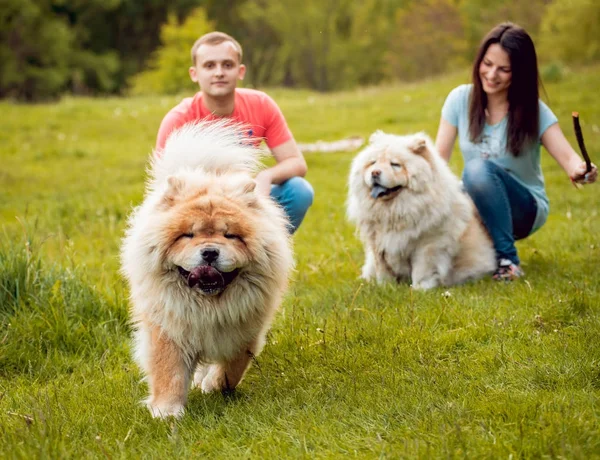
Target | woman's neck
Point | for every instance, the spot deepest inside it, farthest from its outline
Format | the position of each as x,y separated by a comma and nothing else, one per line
497,108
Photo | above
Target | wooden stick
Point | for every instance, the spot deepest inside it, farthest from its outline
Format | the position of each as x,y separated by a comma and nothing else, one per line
579,135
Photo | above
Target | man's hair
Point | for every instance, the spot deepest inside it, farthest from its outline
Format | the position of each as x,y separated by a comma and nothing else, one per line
215,38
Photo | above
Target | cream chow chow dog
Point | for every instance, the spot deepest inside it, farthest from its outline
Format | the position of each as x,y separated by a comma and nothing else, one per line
207,259
414,220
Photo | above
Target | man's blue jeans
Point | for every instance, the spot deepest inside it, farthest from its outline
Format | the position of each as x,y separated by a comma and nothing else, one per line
506,207
295,196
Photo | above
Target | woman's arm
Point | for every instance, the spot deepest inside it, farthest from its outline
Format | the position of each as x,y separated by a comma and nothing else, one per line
446,136
558,146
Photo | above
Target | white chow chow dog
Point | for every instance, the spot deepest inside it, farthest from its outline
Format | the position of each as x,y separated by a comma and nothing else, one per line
414,220
207,259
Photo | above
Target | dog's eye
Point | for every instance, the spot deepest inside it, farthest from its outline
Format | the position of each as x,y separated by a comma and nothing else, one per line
233,236
185,235
396,165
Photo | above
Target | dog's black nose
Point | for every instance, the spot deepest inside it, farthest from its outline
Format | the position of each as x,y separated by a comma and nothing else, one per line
375,173
210,254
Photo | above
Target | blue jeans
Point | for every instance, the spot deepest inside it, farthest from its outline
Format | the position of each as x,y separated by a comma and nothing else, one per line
507,208
295,196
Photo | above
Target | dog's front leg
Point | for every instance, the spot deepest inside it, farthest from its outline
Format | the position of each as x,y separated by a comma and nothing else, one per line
168,376
369,271
226,376
376,267
430,266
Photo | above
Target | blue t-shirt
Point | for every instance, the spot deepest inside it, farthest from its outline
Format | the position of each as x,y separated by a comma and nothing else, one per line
525,168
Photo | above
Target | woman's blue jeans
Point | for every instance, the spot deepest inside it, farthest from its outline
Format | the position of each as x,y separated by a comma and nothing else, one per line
506,207
295,196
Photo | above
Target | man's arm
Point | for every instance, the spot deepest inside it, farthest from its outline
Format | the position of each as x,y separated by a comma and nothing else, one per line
290,163
170,123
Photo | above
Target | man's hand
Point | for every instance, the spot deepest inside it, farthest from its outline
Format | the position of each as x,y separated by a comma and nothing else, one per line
263,182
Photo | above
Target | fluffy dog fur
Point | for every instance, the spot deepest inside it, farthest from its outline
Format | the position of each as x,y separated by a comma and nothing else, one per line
207,260
414,220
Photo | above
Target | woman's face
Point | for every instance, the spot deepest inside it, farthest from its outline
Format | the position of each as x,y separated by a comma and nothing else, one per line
494,71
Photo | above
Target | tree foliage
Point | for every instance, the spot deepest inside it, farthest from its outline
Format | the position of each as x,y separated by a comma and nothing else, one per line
479,16
34,50
426,38
48,47
319,44
168,66
570,32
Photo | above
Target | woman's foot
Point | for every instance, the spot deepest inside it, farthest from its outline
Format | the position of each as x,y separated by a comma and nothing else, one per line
507,271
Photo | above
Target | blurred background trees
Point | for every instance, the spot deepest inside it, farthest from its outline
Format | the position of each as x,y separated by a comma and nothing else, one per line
94,47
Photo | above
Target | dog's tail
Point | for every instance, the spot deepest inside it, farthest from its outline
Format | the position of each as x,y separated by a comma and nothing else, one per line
216,146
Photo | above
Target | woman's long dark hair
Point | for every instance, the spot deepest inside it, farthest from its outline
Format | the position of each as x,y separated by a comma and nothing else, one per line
523,92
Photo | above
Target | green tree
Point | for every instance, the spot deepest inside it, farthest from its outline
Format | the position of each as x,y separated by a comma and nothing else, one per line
479,16
570,32
35,50
168,67
427,38
83,46
319,44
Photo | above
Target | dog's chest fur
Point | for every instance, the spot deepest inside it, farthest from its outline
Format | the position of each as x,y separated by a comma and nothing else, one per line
395,234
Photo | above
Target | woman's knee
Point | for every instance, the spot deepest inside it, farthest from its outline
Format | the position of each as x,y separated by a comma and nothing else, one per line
478,176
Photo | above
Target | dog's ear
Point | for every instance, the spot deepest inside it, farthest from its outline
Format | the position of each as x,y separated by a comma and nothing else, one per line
244,188
249,193
241,184
418,144
249,186
376,136
175,186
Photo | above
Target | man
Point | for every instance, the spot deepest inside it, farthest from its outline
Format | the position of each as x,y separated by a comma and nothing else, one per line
217,66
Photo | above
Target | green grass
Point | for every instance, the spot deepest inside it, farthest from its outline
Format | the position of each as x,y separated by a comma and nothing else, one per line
350,369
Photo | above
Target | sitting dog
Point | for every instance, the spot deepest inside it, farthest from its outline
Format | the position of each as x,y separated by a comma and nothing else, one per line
413,218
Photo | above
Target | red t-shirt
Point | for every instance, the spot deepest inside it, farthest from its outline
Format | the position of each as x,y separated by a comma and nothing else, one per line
253,108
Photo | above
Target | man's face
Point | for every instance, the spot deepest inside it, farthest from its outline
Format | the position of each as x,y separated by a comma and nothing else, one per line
217,69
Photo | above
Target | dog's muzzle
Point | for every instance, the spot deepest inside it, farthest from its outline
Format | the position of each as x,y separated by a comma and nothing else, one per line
378,190
208,279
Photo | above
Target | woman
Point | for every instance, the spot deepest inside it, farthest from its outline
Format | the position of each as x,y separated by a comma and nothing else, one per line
500,123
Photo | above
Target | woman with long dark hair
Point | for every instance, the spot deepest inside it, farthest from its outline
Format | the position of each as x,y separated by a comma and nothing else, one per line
501,123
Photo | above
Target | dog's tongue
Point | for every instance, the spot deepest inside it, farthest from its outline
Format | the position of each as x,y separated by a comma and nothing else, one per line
207,278
377,191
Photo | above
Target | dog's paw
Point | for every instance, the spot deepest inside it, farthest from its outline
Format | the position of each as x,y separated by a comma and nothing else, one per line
368,279
199,375
366,276
426,283
165,410
213,380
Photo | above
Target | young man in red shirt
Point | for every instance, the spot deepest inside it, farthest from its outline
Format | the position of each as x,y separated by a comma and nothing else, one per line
217,66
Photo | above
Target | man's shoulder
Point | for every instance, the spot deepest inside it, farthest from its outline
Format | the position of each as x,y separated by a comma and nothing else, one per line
187,104
252,95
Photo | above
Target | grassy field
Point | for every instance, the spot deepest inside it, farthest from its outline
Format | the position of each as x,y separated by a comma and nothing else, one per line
350,369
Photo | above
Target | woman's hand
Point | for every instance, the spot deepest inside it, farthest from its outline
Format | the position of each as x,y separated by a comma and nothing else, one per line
579,176
560,149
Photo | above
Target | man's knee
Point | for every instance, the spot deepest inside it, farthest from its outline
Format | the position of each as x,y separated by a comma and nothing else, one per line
300,192
295,196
